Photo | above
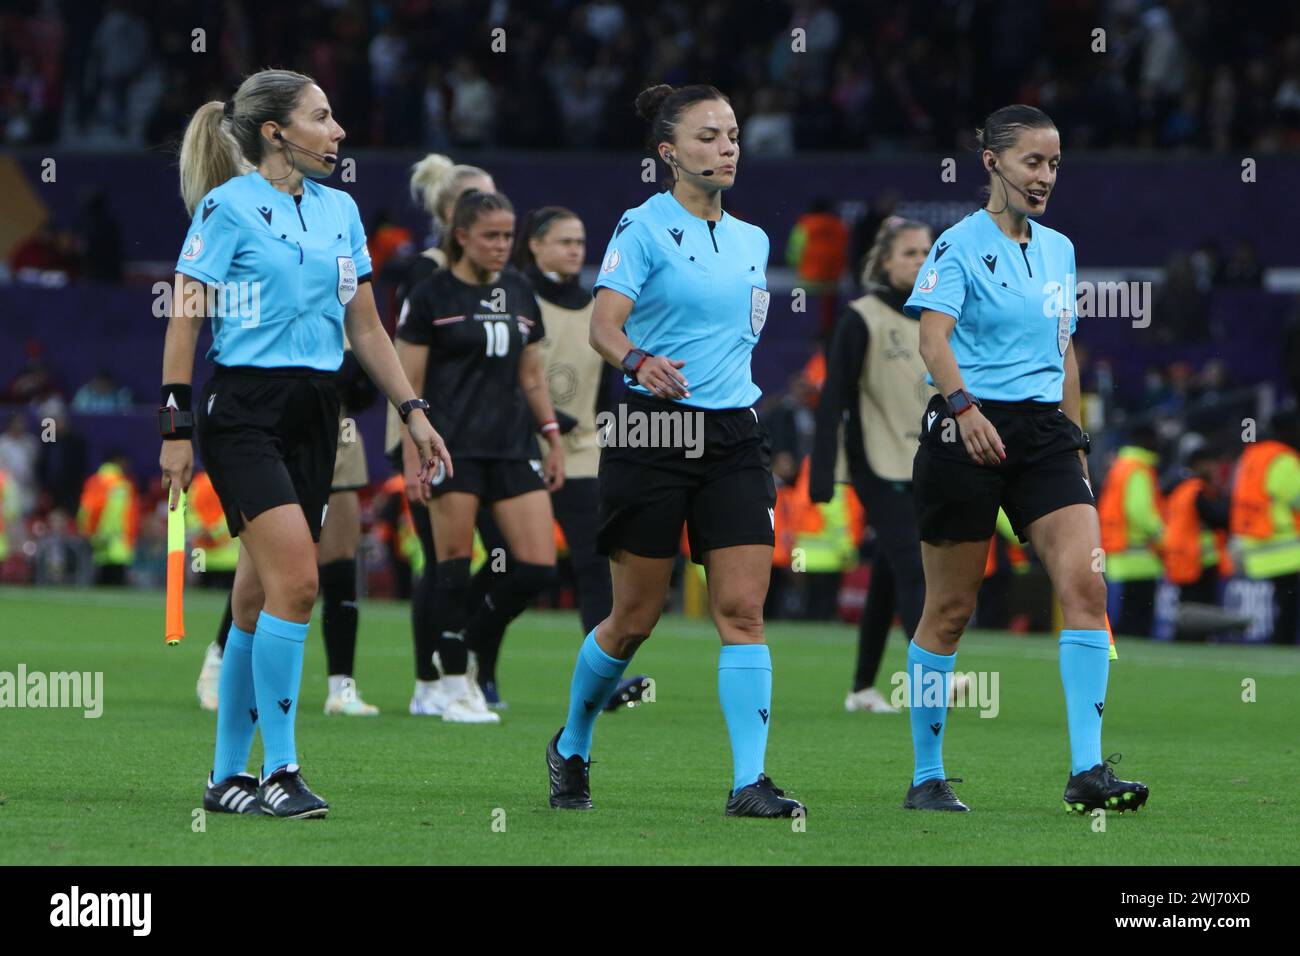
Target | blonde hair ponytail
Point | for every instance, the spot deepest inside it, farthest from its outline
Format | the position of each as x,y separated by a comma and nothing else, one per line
209,155
224,140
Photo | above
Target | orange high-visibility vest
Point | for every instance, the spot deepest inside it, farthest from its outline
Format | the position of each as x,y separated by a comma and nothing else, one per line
1251,512
1110,504
94,495
825,248
1184,561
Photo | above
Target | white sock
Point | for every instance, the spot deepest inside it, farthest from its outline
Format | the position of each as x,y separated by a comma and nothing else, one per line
456,685
336,682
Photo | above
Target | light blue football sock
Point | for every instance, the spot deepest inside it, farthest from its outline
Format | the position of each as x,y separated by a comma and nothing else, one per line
929,677
1085,667
745,690
595,675
277,677
236,706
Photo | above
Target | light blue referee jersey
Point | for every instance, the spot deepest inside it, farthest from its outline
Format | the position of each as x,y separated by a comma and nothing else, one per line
286,267
700,294
1014,305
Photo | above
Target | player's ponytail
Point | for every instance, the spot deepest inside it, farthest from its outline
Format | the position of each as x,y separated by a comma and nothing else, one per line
224,140
435,180
471,204
536,225
662,107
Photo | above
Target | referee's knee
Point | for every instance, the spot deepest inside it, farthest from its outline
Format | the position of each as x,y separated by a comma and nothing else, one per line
295,591
1084,595
947,616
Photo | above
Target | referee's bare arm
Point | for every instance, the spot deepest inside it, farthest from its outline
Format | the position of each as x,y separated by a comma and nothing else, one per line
977,433
177,457
1071,403
659,373
374,350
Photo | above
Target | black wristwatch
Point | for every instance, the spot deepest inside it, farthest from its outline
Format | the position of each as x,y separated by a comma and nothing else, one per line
1087,442
406,408
633,361
961,401
174,423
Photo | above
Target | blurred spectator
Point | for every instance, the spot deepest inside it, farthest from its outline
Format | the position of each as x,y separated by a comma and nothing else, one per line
1242,268
120,52
18,449
33,383
101,395
101,254
1180,308
62,464
47,250
473,110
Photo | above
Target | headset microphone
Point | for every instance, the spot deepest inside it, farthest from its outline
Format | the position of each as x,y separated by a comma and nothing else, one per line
703,172
994,166
322,157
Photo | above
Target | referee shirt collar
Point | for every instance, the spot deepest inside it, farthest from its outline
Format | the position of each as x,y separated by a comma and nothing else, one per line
673,206
991,224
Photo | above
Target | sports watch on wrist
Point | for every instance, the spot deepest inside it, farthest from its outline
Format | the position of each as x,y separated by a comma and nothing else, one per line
1087,443
174,423
633,361
406,408
961,401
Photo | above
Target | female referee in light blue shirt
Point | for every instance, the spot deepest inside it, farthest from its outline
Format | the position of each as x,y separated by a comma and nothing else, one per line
285,260
996,302
680,302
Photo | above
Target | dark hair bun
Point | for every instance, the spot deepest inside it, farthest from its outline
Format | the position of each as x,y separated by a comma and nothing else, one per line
650,99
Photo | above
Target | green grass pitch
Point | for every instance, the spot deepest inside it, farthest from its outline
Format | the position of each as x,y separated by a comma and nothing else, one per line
122,789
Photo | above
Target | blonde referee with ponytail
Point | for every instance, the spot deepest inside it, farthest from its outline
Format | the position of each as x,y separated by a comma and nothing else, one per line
267,421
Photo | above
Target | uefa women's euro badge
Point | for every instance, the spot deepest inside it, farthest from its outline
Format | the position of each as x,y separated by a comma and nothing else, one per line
759,299
1063,330
347,279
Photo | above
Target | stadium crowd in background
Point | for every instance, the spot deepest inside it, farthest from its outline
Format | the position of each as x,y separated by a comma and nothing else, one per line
887,76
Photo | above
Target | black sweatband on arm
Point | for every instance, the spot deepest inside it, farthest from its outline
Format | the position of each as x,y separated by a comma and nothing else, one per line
175,417
178,396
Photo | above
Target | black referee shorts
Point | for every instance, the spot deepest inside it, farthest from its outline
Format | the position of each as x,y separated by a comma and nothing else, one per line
268,438
491,479
958,500
725,496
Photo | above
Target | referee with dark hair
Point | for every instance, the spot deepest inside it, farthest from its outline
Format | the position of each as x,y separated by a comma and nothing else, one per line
294,252
996,301
680,302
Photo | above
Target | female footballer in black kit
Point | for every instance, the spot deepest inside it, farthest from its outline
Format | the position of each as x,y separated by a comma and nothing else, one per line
468,340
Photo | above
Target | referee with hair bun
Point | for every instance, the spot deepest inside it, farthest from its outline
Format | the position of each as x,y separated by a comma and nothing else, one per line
267,421
680,302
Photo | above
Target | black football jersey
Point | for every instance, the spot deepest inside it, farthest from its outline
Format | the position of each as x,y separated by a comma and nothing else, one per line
476,336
